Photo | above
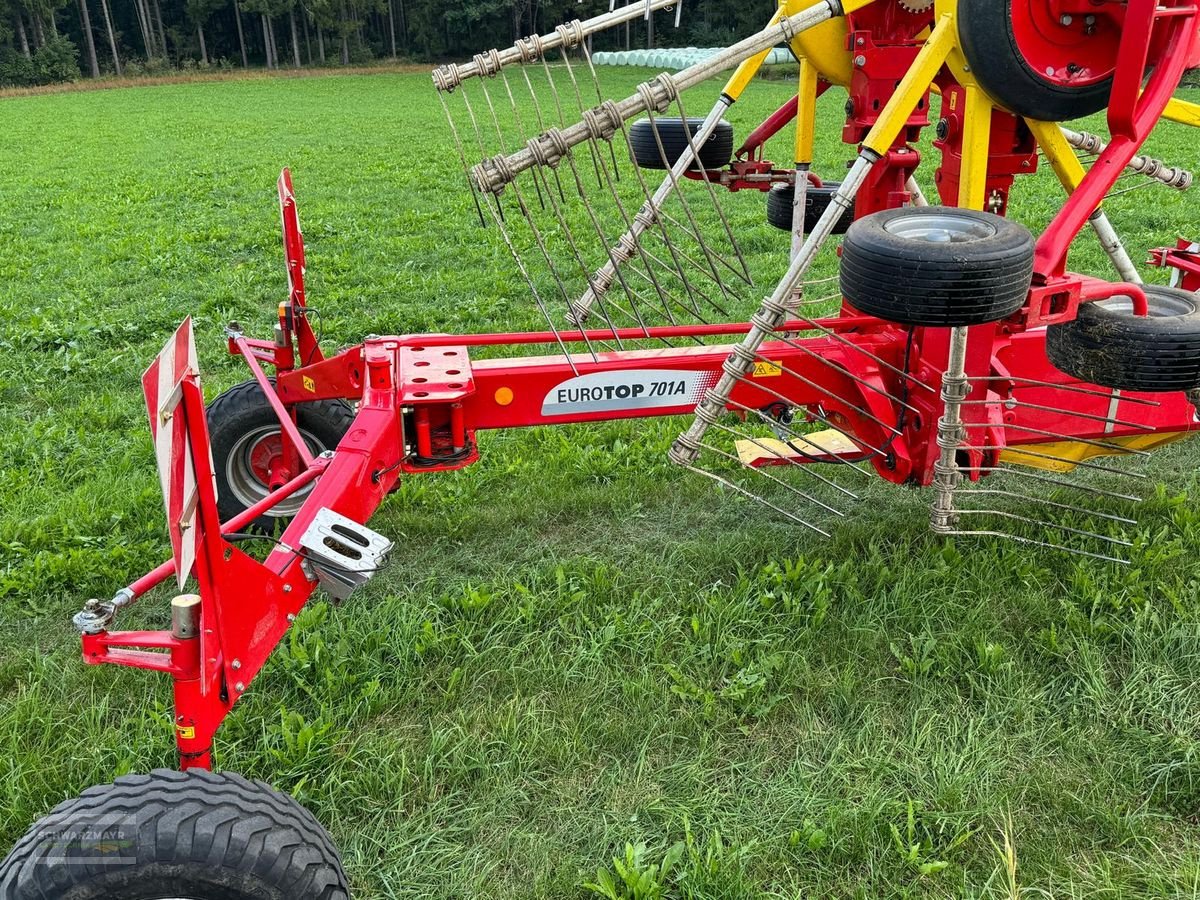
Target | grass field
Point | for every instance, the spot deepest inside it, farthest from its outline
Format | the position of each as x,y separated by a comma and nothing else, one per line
579,651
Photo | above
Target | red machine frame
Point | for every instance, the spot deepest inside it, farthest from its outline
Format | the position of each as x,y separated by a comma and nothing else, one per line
423,400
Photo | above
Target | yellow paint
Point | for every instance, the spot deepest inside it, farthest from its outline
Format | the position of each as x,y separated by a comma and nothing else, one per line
1070,453
977,136
823,46
806,112
769,451
504,396
1183,112
765,369
745,73
1059,153
309,384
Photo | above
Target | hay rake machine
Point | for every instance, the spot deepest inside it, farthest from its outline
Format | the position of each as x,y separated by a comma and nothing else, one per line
952,350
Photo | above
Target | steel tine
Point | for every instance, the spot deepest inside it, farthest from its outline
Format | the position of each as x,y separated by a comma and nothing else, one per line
587,55
1002,514
1087,489
458,146
1129,451
742,379
806,469
779,481
713,197
1036,543
1069,388
1012,402
1083,464
1042,501
757,499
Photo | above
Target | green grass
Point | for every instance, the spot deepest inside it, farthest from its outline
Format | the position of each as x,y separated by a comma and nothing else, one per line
577,646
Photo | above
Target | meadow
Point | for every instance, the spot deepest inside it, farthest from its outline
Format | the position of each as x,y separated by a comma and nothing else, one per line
582,663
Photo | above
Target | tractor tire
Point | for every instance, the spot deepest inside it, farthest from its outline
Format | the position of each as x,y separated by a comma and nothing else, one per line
1004,56
816,201
643,147
192,834
937,266
1106,344
244,433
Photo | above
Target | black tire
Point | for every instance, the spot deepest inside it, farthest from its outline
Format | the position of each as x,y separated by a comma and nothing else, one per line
1106,344
816,201
985,31
643,148
241,417
191,834
937,266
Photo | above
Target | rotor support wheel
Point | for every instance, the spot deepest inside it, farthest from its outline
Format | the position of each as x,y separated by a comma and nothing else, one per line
1037,62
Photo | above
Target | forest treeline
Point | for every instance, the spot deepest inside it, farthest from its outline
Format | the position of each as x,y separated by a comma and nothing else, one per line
44,41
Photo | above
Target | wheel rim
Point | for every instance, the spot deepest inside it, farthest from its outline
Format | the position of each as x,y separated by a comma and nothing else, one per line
248,467
1158,306
940,228
1065,50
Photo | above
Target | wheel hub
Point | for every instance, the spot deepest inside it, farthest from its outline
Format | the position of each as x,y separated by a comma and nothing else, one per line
1068,49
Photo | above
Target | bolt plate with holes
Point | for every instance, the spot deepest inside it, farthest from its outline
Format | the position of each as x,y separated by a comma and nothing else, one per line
434,374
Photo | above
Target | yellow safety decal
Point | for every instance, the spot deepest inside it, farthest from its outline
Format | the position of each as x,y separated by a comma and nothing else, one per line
309,384
764,369
186,732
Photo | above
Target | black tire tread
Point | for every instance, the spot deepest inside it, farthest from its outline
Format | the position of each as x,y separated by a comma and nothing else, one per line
163,802
936,285
816,200
1117,349
643,146
989,44
245,401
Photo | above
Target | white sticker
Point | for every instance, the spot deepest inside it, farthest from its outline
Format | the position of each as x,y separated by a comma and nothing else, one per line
629,390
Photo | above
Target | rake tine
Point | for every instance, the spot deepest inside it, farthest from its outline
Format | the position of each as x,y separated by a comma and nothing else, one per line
789,487
713,197
757,499
579,103
741,379
1012,403
1041,501
807,470
1036,543
463,159
1083,464
587,55
999,513
1087,489
1129,451
1069,388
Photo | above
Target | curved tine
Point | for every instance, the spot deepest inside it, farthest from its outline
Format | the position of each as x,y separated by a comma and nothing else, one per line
562,287
1058,409
1069,388
842,339
779,481
999,513
801,437
820,418
1041,501
569,236
757,499
566,57
587,55
1083,464
1087,489
678,194
1036,543
532,287
745,273
862,382
1126,451
766,448
462,156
